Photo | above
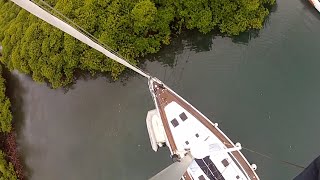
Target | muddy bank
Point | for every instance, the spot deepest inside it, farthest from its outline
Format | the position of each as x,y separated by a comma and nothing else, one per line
12,153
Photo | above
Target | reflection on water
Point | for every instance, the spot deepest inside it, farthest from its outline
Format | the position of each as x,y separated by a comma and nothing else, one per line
261,87
245,37
197,42
191,40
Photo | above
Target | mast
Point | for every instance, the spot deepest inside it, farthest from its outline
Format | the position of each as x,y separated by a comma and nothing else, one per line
51,19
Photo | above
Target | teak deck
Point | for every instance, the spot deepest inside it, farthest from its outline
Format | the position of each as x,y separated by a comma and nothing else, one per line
164,96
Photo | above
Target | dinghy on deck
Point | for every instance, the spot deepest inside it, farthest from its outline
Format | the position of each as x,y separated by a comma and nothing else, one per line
155,129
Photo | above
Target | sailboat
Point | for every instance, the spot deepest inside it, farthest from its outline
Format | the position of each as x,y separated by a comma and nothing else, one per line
199,149
188,132
316,4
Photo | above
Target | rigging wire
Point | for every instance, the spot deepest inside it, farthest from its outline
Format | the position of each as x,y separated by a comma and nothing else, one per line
74,30
75,25
93,38
270,157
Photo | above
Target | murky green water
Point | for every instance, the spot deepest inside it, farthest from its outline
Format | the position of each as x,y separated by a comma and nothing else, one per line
263,89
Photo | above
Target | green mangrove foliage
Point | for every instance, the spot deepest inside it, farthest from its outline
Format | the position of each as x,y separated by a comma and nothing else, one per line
6,169
133,28
5,105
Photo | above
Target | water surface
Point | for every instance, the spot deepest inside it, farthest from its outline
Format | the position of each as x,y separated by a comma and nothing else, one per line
261,87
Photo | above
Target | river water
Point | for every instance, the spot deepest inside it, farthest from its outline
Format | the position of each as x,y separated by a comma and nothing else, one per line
261,87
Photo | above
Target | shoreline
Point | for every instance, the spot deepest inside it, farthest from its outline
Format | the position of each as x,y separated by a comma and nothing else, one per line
12,153
8,138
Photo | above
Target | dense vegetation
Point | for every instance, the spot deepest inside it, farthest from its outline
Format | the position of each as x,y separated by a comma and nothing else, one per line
5,113
134,28
6,169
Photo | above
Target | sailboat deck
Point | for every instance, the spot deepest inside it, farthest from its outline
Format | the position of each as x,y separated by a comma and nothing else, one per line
164,97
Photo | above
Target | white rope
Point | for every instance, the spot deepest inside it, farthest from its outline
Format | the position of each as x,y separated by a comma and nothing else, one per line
49,18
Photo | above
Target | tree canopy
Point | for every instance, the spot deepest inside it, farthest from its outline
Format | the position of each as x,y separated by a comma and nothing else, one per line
6,169
5,105
133,28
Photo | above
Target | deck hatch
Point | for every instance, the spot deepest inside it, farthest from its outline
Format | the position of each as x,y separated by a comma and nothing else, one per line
183,116
174,122
225,162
